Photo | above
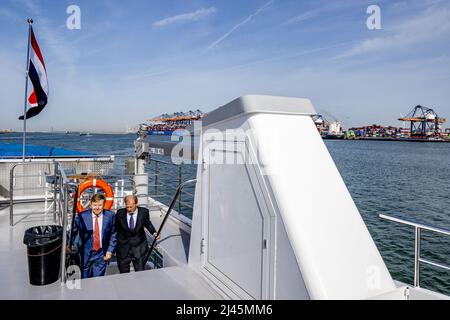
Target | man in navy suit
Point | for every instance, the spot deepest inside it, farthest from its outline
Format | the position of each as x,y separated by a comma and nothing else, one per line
96,232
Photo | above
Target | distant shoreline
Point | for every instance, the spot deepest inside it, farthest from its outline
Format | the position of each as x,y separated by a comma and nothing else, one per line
71,132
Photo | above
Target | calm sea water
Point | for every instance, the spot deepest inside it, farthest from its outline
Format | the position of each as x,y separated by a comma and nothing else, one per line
409,180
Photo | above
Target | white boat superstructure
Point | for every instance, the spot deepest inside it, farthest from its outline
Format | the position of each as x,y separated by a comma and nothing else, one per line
256,231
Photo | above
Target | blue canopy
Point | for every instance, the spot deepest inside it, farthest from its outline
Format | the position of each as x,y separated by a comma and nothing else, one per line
15,150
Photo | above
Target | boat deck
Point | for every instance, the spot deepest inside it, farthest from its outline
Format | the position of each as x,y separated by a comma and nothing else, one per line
175,281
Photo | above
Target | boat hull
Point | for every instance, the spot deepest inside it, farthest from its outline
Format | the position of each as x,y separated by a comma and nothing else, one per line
164,132
159,133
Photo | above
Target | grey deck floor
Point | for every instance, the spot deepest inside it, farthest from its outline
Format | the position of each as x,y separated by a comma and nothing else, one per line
175,282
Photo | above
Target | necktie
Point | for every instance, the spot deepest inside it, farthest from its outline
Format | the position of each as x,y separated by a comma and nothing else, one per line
96,235
131,222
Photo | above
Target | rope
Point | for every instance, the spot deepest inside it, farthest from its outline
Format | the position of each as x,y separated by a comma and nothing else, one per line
41,255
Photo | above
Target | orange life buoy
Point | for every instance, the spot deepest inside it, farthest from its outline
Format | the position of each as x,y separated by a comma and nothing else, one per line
96,183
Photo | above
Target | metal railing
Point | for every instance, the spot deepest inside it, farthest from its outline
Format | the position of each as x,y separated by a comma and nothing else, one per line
101,164
12,186
61,194
160,186
417,242
172,204
30,184
64,184
61,187
64,188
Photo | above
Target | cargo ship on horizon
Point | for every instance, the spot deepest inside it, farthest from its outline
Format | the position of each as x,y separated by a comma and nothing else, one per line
166,125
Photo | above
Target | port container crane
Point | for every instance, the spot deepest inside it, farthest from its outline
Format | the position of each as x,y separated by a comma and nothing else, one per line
424,122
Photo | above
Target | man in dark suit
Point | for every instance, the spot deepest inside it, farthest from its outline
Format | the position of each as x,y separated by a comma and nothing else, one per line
131,239
95,230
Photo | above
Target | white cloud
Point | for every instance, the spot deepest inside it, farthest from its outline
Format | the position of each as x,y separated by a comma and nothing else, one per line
324,8
250,17
431,25
186,17
303,17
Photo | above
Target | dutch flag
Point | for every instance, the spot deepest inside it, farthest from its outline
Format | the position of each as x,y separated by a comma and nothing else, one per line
38,77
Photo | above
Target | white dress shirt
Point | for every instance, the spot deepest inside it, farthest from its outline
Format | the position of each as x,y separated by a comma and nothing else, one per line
100,224
134,217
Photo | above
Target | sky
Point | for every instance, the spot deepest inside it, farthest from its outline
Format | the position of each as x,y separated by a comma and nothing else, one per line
133,60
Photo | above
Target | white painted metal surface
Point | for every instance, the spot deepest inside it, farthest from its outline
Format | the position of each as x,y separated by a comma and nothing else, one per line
235,229
335,256
251,104
331,242
263,227
175,281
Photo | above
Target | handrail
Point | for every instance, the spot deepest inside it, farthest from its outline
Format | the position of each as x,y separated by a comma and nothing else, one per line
93,157
61,185
416,224
172,204
418,229
74,212
11,186
64,260
156,173
165,162
64,192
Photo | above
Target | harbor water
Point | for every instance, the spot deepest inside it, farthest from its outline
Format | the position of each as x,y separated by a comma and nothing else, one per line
405,179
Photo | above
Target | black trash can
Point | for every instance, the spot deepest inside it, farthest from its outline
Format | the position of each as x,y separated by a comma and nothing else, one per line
44,253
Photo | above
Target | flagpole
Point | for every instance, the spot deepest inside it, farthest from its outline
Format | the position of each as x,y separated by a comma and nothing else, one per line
30,22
